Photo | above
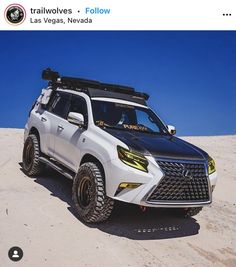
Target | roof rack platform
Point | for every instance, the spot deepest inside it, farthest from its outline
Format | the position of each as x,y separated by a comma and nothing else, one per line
94,88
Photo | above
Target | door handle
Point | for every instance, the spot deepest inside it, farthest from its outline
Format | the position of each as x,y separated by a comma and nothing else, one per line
43,119
60,127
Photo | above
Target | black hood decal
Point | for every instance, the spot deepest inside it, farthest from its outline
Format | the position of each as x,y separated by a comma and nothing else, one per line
163,146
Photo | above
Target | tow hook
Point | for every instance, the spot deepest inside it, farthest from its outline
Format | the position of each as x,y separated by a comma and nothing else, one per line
143,208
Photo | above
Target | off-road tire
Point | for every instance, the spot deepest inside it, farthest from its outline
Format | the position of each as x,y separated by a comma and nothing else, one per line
192,211
98,207
189,212
31,153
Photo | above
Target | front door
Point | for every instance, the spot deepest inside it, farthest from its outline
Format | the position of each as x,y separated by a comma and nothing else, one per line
69,136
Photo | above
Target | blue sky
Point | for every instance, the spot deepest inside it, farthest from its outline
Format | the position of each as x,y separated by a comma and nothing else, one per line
190,76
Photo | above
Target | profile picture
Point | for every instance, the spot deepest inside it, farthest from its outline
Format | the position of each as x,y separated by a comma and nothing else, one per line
15,14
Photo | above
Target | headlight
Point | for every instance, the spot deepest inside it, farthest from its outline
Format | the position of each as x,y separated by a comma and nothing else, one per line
135,160
211,165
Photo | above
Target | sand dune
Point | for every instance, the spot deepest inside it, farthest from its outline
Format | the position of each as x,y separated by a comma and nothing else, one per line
37,215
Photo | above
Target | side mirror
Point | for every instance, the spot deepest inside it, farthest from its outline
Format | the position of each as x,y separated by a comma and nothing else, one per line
76,118
171,129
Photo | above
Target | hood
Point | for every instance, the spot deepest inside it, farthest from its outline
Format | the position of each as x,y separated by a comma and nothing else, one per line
163,146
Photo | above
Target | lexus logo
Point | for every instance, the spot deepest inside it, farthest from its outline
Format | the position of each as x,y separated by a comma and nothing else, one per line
187,174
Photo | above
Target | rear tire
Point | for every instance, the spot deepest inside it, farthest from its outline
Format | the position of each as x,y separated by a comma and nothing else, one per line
88,194
31,153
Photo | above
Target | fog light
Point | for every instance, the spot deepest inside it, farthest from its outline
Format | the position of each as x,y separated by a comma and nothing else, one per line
123,186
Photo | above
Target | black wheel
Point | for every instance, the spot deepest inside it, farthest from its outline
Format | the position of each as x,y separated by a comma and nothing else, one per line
31,152
88,193
188,212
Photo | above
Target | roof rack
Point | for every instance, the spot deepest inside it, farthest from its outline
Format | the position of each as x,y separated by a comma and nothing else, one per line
89,86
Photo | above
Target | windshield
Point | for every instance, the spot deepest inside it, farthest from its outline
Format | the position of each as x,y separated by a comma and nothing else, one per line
126,117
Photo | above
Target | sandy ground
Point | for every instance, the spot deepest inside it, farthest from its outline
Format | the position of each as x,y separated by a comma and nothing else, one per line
37,215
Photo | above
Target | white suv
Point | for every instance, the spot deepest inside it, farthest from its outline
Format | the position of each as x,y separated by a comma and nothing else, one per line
114,147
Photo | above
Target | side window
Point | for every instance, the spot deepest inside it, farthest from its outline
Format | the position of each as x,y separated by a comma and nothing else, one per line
60,105
78,105
50,102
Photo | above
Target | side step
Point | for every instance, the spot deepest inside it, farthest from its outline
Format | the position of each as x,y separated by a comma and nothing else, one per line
58,167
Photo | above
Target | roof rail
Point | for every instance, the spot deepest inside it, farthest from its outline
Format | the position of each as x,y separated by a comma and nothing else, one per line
55,80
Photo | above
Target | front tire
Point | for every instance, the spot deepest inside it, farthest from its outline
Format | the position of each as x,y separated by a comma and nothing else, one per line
189,212
31,153
88,194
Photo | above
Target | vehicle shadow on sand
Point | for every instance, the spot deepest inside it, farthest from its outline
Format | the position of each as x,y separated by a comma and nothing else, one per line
130,222
127,220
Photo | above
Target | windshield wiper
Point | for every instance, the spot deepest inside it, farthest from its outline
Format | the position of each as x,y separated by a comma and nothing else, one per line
113,127
109,126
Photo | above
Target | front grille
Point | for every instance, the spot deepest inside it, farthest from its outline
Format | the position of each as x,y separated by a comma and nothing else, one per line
181,182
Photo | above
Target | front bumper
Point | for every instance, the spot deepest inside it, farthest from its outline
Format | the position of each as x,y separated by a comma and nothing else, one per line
117,173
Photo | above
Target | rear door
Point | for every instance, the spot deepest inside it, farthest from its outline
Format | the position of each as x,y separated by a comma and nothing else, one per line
56,115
